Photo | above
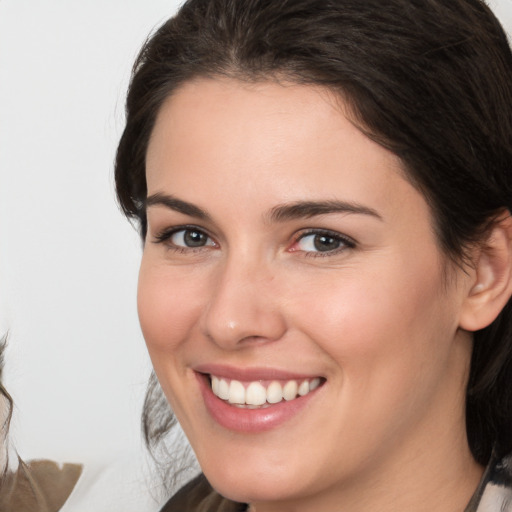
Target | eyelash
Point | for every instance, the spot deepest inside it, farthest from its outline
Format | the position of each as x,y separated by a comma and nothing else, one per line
164,238
346,242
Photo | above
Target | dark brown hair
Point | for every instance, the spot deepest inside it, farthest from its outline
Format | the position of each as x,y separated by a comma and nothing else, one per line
431,80
5,416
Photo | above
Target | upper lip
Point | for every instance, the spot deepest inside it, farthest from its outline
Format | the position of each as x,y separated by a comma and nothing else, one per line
251,373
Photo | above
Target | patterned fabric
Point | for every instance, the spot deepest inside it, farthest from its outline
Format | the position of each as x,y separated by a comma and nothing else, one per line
494,493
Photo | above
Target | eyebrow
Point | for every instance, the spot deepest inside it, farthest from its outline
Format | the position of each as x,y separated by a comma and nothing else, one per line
307,209
280,213
171,202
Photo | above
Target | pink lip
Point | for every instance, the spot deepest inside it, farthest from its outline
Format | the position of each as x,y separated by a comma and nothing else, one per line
250,421
250,374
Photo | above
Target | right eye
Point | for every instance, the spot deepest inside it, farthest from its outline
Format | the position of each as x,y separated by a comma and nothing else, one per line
190,238
185,238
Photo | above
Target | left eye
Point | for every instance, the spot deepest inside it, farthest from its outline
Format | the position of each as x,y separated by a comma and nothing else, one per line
321,242
190,238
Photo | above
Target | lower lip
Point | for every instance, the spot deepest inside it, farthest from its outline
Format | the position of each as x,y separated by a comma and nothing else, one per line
250,420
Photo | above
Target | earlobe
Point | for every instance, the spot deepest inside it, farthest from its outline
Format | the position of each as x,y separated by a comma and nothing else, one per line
491,284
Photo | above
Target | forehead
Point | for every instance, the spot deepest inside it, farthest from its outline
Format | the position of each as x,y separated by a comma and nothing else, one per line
259,130
239,150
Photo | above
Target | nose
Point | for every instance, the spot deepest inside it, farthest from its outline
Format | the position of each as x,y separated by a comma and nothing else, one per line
244,306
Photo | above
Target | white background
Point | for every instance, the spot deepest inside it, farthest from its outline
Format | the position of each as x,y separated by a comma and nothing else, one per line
76,363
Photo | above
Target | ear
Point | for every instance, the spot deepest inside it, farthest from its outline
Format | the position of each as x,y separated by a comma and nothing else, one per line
490,286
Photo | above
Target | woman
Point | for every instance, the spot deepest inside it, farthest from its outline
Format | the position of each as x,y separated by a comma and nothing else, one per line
324,194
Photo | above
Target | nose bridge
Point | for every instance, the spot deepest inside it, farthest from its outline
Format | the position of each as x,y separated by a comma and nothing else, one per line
242,305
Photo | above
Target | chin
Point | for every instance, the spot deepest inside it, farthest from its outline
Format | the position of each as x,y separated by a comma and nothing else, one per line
251,488
246,481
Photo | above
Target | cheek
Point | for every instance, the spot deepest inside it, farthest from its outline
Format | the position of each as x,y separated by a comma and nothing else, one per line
385,329
168,308
168,303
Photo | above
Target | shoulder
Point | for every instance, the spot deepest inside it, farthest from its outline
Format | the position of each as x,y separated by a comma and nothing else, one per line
199,496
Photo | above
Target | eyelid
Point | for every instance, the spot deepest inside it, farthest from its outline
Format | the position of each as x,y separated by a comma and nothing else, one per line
163,236
347,242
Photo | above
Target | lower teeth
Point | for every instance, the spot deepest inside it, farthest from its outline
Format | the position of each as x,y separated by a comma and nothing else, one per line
249,406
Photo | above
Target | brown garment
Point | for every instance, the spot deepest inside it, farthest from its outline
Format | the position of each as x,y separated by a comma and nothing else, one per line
199,496
38,486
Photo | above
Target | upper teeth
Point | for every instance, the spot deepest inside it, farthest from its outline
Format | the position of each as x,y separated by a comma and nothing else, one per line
255,393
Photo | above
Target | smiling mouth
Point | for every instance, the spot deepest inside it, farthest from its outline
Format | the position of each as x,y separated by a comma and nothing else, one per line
260,394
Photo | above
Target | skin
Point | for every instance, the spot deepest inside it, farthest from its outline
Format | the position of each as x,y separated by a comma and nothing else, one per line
377,317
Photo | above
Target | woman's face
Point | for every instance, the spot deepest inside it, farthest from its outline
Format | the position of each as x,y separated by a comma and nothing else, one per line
287,255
